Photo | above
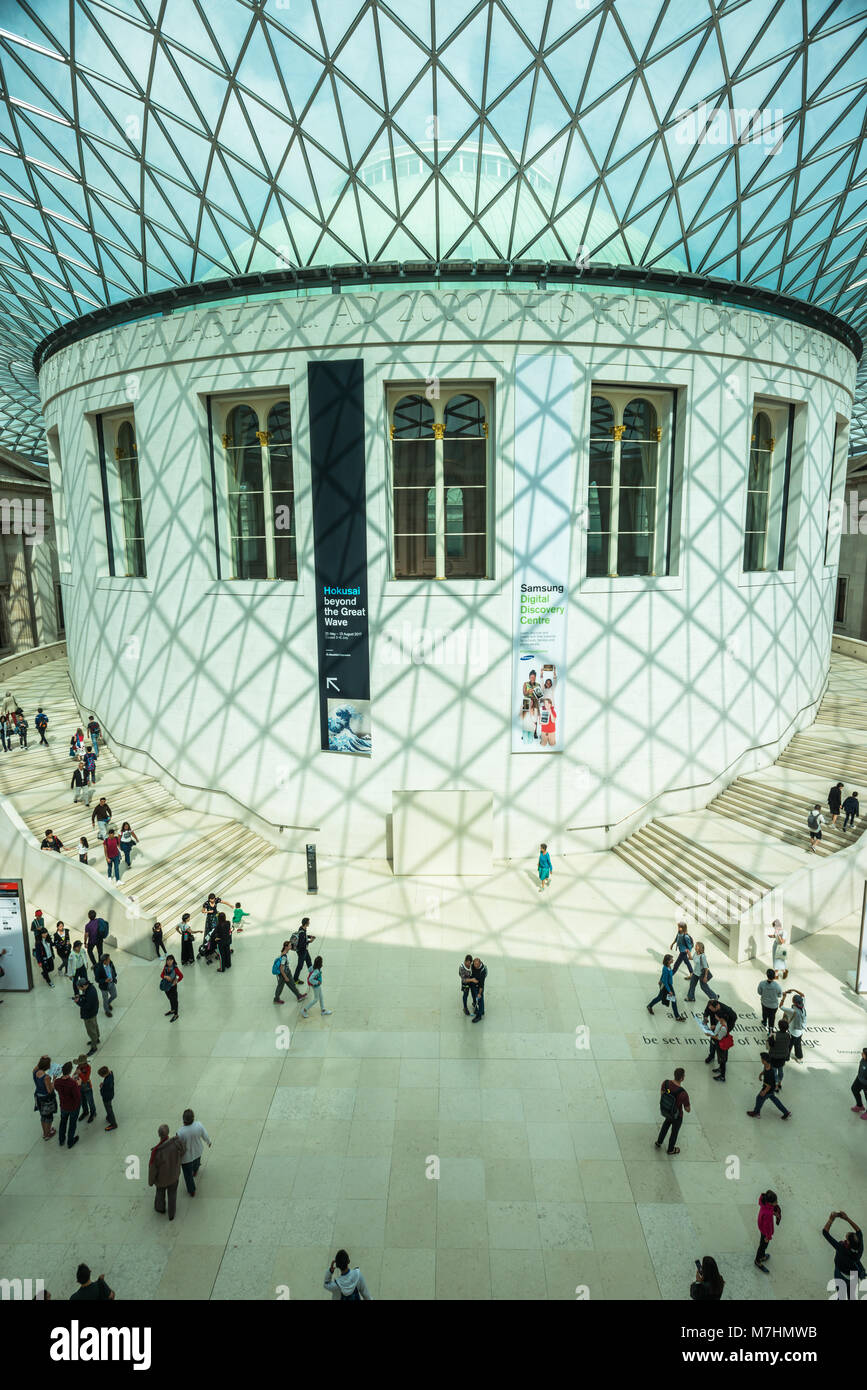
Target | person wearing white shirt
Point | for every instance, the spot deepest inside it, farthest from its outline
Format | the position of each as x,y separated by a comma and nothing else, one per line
780,948
77,966
796,1013
701,975
194,1137
815,821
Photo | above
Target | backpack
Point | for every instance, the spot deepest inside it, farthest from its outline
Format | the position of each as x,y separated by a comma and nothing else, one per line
686,942
275,968
813,821
293,941
354,1297
102,928
668,1106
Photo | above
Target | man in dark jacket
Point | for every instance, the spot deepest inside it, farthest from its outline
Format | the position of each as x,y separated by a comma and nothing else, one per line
92,937
852,809
80,789
101,817
164,1170
835,796
302,941
88,1003
847,1256
477,988
106,1091
106,977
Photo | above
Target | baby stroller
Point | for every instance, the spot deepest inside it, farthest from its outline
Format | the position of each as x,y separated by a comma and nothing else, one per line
208,948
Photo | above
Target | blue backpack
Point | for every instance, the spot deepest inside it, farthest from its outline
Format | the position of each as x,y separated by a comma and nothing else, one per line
275,968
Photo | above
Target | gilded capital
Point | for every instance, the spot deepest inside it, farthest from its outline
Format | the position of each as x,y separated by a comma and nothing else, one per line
439,430
264,437
617,431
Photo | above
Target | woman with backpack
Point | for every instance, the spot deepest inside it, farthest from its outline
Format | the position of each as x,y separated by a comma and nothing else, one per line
283,970
815,821
666,990
314,980
769,1212
346,1284
169,981
673,1100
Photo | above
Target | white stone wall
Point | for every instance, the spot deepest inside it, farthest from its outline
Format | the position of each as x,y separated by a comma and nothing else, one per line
669,680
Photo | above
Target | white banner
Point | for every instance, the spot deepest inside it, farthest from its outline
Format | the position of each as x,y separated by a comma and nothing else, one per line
544,453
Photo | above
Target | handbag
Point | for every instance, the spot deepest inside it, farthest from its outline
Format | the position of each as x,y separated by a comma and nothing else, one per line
165,986
725,1043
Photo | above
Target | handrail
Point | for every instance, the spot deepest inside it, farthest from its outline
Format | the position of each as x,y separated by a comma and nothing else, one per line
188,786
695,786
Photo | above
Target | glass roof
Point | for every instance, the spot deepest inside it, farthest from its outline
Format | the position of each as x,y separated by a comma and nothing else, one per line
146,144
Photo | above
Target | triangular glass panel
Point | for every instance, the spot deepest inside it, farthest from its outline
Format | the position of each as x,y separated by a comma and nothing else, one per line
301,71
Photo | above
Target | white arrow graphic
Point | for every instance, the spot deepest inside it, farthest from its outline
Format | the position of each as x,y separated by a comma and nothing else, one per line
331,683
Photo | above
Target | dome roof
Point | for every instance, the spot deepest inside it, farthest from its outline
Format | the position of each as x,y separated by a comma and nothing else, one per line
724,139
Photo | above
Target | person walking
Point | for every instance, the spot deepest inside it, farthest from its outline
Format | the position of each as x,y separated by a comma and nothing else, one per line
94,733
92,936
835,796
164,1171
83,849
859,1085
721,1019
169,981
80,788
700,975
4,739
78,966
45,1099
51,842
666,990
544,868
769,1213
314,980
224,942
779,1046
87,1291
41,722
283,970
37,925
478,988
465,973
88,1003
45,956
709,1283
344,1283
238,916
111,846
852,810
770,993
90,763
81,1076
300,941
128,838
69,1094
22,727
186,933
101,817
73,747
682,944
780,948
767,1091
796,1015
673,1100
63,947
193,1136
106,1092
815,821
848,1254
157,939
105,976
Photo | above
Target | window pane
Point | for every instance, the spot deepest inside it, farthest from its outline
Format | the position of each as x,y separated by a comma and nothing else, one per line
135,557
279,425
633,554
286,558
762,430
472,562
601,457
754,546
637,508
125,440
599,518
638,464
413,418
465,509
411,560
284,513
597,554
413,510
281,468
760,470
250,558
414,464
757,511
639,420
464,461
601,417
465,416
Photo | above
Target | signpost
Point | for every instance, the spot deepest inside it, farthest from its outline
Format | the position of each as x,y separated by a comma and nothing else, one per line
14,937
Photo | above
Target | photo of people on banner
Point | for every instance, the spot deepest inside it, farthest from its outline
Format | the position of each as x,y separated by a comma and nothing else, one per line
538,704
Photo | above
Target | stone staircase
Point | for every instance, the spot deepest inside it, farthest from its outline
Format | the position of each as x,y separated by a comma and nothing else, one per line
183,855
716,874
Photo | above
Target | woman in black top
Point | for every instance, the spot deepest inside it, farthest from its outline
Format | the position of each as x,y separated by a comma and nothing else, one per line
187,934
45,956
62,946
157,939
224,942
709,1283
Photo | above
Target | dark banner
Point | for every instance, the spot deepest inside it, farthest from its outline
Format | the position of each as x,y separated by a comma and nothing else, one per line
336,403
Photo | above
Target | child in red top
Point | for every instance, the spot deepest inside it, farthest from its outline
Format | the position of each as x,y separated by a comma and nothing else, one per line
769,1212
548,724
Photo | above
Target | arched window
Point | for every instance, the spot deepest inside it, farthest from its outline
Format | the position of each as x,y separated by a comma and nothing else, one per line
759,494
623,486
639,475
245,494
126,457
440,484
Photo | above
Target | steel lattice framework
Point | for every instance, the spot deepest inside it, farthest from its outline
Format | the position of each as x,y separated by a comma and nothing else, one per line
150,144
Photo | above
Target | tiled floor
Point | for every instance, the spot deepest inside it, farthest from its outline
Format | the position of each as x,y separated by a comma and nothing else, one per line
509,1159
